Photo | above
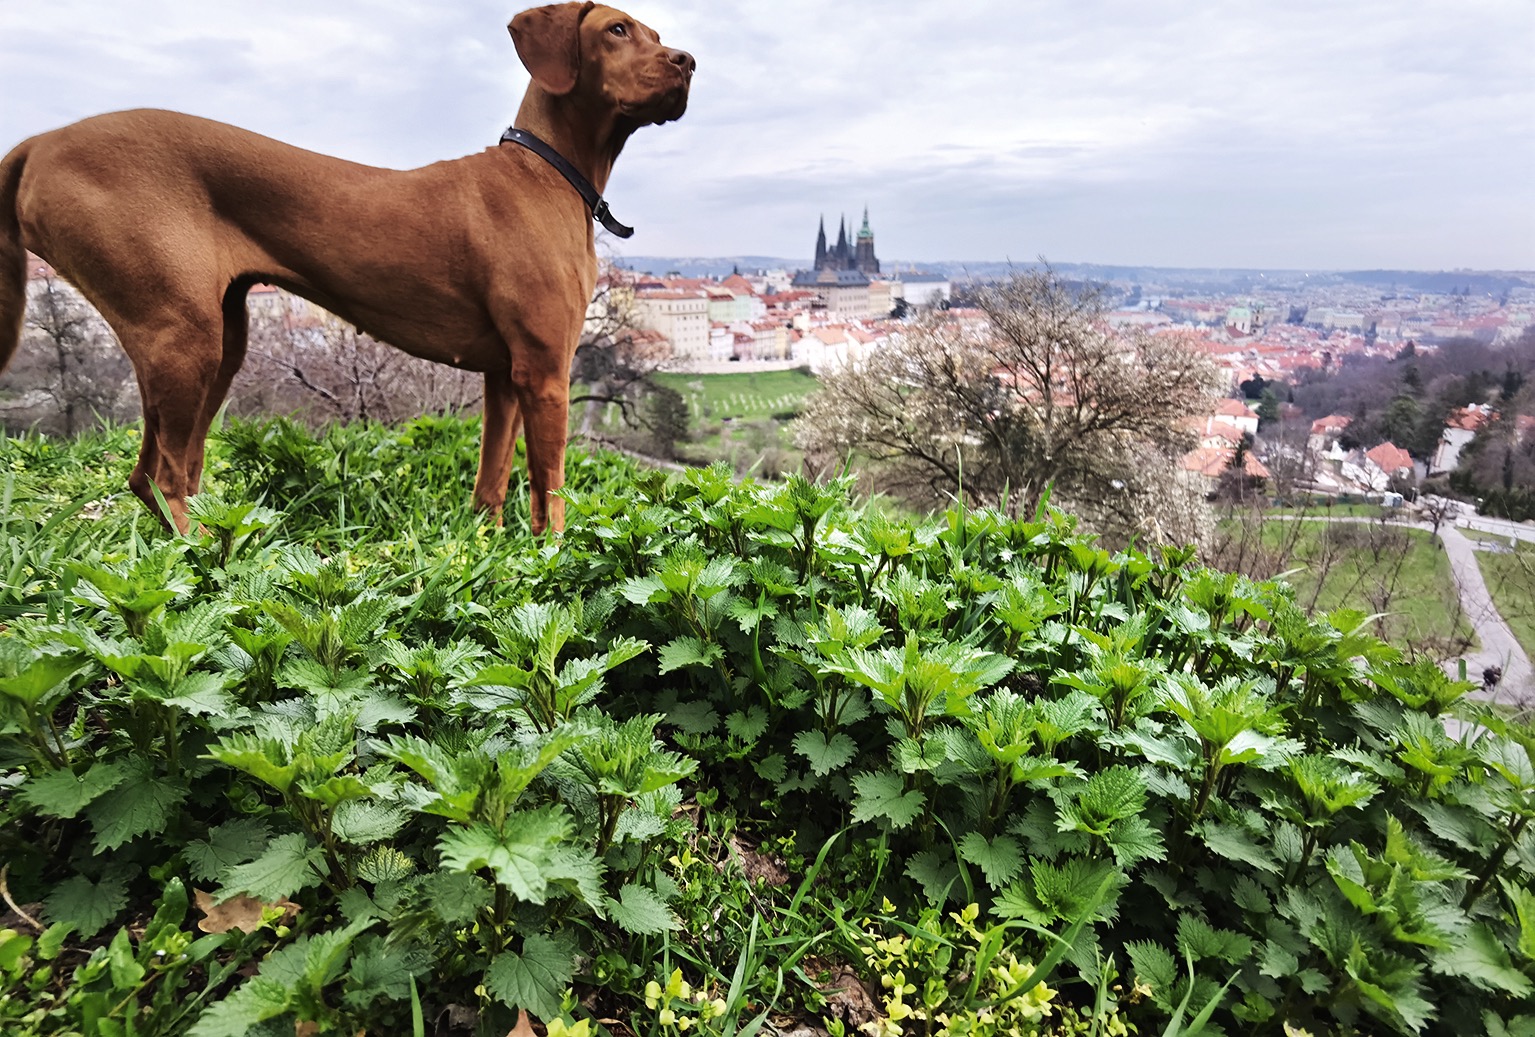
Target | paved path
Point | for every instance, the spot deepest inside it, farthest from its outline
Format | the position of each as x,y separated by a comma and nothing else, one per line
1498,646
1502,527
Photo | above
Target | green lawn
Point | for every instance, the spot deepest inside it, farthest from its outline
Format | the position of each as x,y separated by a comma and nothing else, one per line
1333,509
1511,581
747,396
743,418
1378,569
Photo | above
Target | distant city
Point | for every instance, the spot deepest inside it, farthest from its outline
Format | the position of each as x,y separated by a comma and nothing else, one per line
1267,323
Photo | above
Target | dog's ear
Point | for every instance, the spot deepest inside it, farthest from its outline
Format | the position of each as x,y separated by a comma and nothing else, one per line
548,40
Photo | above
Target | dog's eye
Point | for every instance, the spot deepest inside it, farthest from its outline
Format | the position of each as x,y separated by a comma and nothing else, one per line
619,30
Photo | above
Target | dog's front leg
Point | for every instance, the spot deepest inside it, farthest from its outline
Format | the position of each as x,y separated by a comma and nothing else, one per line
496,443
543,392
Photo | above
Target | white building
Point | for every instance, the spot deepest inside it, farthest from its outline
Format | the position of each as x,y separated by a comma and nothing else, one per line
681,317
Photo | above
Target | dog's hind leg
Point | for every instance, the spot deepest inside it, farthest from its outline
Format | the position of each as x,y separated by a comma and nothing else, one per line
13,259
497,441
236,339
177,365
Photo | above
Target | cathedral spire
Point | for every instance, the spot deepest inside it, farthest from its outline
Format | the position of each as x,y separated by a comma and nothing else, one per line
842,255
820,245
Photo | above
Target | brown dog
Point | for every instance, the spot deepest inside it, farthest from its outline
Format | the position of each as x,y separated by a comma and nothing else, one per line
164,221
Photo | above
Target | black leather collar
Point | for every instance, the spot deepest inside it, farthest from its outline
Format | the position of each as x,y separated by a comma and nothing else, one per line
594,201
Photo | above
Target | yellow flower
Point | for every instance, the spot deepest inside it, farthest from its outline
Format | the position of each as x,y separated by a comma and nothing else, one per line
652,994
582,1028
667,1017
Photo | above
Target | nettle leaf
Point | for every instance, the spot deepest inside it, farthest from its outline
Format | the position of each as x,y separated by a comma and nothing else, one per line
1000,859
521,856
749,725
693,718
536,979
1198,938
288,864
749,615
257,1000
935,872
202,694
1154,966
1061,891
645,590
638,825
360,822
578,871
233,842
1237,844
385,864
880,795
38,677
912,756
63,793
85,905
1133,840
689,651
375,709
456,897
312,961
772,767
331,792
1523,901
641,911
825,756
1250,897
381,971
1481,957
140,806
265,759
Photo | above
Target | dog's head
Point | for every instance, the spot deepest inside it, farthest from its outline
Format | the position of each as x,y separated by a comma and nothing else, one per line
602,53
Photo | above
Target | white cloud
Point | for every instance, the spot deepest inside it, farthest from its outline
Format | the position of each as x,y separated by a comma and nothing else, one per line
1264,132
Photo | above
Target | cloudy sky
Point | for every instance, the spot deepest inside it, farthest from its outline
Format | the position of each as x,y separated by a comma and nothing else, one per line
1266,133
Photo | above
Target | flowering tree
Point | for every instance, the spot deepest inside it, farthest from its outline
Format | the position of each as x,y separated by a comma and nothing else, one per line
1036,395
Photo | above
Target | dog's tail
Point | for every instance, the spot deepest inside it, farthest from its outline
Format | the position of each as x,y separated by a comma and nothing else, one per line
13,258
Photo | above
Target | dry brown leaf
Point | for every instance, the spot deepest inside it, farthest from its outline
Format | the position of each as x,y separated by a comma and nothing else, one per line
524,1027
305,1029
759,866
848,999
241,912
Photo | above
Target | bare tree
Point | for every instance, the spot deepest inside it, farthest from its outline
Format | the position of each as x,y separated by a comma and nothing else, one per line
614,367
308,361
70,369
1290,462
1040,397
1437,511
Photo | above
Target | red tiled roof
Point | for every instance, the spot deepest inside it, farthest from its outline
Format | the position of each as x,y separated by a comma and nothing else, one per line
1468,419
1212,461
1331,423
1234,409
1390,458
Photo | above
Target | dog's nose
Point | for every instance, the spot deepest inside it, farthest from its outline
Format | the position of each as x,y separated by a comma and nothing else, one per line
683,60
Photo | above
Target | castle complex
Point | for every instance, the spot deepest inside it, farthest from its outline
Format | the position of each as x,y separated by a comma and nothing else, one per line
858,256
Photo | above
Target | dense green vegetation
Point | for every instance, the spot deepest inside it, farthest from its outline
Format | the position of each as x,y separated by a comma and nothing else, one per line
724,756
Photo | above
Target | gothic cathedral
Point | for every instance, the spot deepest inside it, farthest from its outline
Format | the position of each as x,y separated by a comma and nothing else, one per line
859,256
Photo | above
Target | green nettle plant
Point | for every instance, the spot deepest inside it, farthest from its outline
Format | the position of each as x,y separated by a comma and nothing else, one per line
723,756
